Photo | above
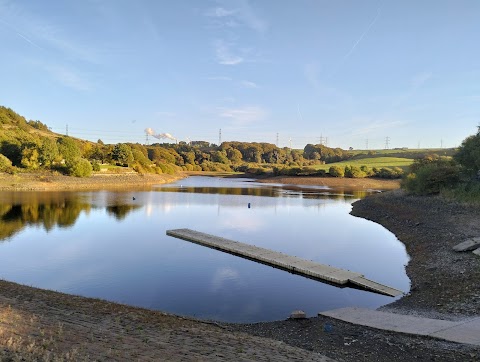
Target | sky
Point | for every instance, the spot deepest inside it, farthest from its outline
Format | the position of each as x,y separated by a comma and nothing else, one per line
363,74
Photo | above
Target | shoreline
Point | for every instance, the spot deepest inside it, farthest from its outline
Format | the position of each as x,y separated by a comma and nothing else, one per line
64,325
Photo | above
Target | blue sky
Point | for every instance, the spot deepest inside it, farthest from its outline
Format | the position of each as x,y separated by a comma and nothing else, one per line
349,71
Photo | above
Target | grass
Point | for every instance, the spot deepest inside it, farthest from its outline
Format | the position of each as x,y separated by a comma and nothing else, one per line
377,162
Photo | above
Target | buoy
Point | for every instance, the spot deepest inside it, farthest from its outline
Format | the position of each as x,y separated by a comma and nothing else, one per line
134,198
248,205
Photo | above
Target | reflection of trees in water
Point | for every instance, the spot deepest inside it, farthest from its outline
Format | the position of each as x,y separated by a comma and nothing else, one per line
264,191
48,214
121,211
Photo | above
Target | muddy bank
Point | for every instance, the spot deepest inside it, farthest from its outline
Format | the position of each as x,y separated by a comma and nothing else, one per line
56,182
442,281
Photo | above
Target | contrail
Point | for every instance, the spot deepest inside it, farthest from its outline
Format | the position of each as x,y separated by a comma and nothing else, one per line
20,34
300,114
352,49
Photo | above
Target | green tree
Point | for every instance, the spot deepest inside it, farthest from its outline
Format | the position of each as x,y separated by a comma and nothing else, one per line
468,154
122,153
30,158
69,149
48,152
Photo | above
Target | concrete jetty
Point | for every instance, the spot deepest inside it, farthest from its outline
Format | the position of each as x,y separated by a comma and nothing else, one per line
307,268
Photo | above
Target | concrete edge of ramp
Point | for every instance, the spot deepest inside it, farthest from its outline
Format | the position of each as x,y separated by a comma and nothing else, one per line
466,331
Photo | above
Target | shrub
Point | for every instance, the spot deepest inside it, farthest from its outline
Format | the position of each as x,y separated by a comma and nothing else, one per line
432,177
389,173
95,166
336,171
80,167
5,164
354,172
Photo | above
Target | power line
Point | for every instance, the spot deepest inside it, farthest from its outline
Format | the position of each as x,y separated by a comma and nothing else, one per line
387,143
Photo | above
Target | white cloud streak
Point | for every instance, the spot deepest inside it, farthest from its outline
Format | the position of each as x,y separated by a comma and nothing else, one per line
224,55
241,14
68,77
244,115
248,84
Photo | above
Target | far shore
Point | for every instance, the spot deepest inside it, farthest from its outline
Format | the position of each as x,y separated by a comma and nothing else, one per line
100,181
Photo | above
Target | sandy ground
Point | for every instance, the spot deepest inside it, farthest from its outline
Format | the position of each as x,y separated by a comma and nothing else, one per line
43,325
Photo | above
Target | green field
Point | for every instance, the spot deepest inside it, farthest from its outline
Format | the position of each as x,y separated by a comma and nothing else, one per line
371,162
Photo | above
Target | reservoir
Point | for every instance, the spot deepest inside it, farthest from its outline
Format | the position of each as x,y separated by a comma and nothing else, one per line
112,245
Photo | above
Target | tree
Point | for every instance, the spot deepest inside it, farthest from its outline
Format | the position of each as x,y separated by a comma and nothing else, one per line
69,149
122,153
468,154
48,152
30,158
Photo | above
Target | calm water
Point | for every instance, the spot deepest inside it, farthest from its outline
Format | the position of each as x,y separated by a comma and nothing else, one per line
112,245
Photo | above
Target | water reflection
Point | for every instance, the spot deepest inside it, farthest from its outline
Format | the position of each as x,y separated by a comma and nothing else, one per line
112,245
49,210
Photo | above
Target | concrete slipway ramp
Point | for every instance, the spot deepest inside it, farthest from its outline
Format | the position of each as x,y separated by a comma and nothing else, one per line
466,331
279,260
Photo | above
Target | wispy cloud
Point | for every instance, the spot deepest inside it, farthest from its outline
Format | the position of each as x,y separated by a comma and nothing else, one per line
372,126
224,54
42,34
248,84
239,13
219,12
243,115
69,77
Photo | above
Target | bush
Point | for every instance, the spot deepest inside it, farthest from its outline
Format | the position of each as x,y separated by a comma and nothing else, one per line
389,173
5,164
336,171
432,177
95,166
354,172
80,168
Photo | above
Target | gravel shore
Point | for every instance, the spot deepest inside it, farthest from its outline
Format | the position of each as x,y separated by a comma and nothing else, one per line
445,285
44,325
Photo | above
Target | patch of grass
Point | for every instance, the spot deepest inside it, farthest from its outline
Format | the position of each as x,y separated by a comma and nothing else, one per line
464,192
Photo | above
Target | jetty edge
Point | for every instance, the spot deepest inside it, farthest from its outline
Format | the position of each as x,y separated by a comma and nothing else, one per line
293,264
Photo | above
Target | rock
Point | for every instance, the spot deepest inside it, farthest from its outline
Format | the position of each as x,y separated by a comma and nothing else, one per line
298,314
476,251
468,245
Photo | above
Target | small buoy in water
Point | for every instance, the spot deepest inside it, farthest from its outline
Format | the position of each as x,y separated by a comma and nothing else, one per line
248,205
134,198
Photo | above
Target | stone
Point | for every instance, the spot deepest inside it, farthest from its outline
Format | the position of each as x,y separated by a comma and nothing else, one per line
468,245
298,314
476,251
